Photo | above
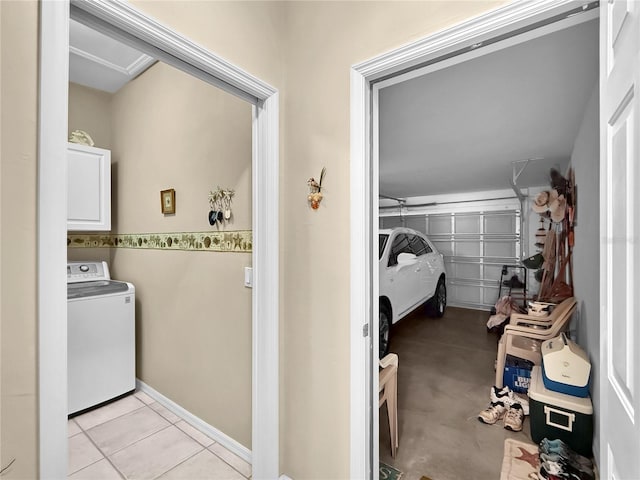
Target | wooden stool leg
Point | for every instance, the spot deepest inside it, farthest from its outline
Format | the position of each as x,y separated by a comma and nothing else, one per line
500,360
392,407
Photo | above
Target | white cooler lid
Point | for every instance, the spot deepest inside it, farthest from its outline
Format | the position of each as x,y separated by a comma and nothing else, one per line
539,393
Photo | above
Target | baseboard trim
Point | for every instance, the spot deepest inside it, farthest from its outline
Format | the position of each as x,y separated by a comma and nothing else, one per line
284,477
196,422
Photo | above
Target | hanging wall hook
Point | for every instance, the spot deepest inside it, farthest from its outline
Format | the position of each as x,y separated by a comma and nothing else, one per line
220,205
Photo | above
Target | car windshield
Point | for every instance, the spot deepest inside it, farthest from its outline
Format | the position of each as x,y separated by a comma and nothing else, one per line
382,242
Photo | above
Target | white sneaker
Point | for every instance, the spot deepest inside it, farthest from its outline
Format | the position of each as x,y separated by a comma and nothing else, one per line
509,398
522,400
514,418
493,413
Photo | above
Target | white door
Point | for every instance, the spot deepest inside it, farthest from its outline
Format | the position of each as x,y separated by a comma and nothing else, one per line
620,236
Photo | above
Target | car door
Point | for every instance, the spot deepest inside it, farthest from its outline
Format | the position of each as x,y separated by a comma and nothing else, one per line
435,264
423,278
403,286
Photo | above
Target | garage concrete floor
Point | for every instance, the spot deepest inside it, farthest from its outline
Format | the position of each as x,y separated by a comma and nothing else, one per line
446,370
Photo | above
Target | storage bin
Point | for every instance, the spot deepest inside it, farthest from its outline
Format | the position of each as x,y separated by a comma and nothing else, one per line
517,374
565,367
557,415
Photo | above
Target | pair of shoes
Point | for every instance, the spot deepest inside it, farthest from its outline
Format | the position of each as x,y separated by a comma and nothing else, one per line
554,470
559,448
573,459
514,418
550,471
494,412
509,398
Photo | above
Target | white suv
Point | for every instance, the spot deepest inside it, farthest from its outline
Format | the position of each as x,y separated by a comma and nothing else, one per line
411,273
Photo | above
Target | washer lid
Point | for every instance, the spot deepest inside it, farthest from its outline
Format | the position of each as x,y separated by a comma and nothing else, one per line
92,289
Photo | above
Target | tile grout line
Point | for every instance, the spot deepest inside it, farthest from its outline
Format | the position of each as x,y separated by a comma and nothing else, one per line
213,442
104,456
152,434
126,446
137,441
145,405
102,423
242,474
162,406
183,461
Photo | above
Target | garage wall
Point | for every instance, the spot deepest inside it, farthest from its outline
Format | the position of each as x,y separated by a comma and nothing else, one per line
586,253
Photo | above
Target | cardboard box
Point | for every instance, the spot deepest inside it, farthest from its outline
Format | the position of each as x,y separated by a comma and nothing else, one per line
517,374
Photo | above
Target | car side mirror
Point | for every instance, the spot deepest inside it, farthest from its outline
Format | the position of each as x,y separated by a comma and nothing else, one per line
406,258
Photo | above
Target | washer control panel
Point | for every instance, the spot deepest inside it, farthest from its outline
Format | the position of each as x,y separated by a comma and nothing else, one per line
87,271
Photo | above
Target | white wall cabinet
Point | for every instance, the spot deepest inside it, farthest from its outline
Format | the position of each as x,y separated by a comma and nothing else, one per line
89,188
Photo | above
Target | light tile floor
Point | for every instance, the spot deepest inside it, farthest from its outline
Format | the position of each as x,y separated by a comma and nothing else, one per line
137,438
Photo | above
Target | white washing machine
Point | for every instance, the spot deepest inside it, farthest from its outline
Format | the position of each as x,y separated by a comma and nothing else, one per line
101,355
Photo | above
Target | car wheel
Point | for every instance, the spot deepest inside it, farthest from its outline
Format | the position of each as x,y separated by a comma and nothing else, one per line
438,303
385,330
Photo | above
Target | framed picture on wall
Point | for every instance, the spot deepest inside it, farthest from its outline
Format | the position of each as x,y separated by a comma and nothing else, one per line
168,201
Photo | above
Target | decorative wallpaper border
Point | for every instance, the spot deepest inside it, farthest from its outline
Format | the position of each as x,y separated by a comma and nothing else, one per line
233,241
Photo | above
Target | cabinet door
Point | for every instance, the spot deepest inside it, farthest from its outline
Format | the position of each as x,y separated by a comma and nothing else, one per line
89,188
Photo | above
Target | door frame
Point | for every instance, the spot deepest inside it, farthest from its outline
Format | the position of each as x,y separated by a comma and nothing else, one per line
52,228
466,38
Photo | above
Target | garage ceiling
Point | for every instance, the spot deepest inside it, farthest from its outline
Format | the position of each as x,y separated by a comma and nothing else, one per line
458,129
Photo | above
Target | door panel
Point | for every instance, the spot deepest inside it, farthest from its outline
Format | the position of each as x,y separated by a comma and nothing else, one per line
619,346
620,254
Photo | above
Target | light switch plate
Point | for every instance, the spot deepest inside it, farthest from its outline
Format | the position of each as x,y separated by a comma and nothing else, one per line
248,277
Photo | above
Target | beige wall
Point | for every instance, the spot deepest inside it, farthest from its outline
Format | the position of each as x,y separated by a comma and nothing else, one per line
171,130
304,49
90,110
18,150
323,41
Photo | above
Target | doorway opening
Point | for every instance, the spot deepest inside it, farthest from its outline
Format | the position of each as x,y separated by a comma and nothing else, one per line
165,128
420,210
134,28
